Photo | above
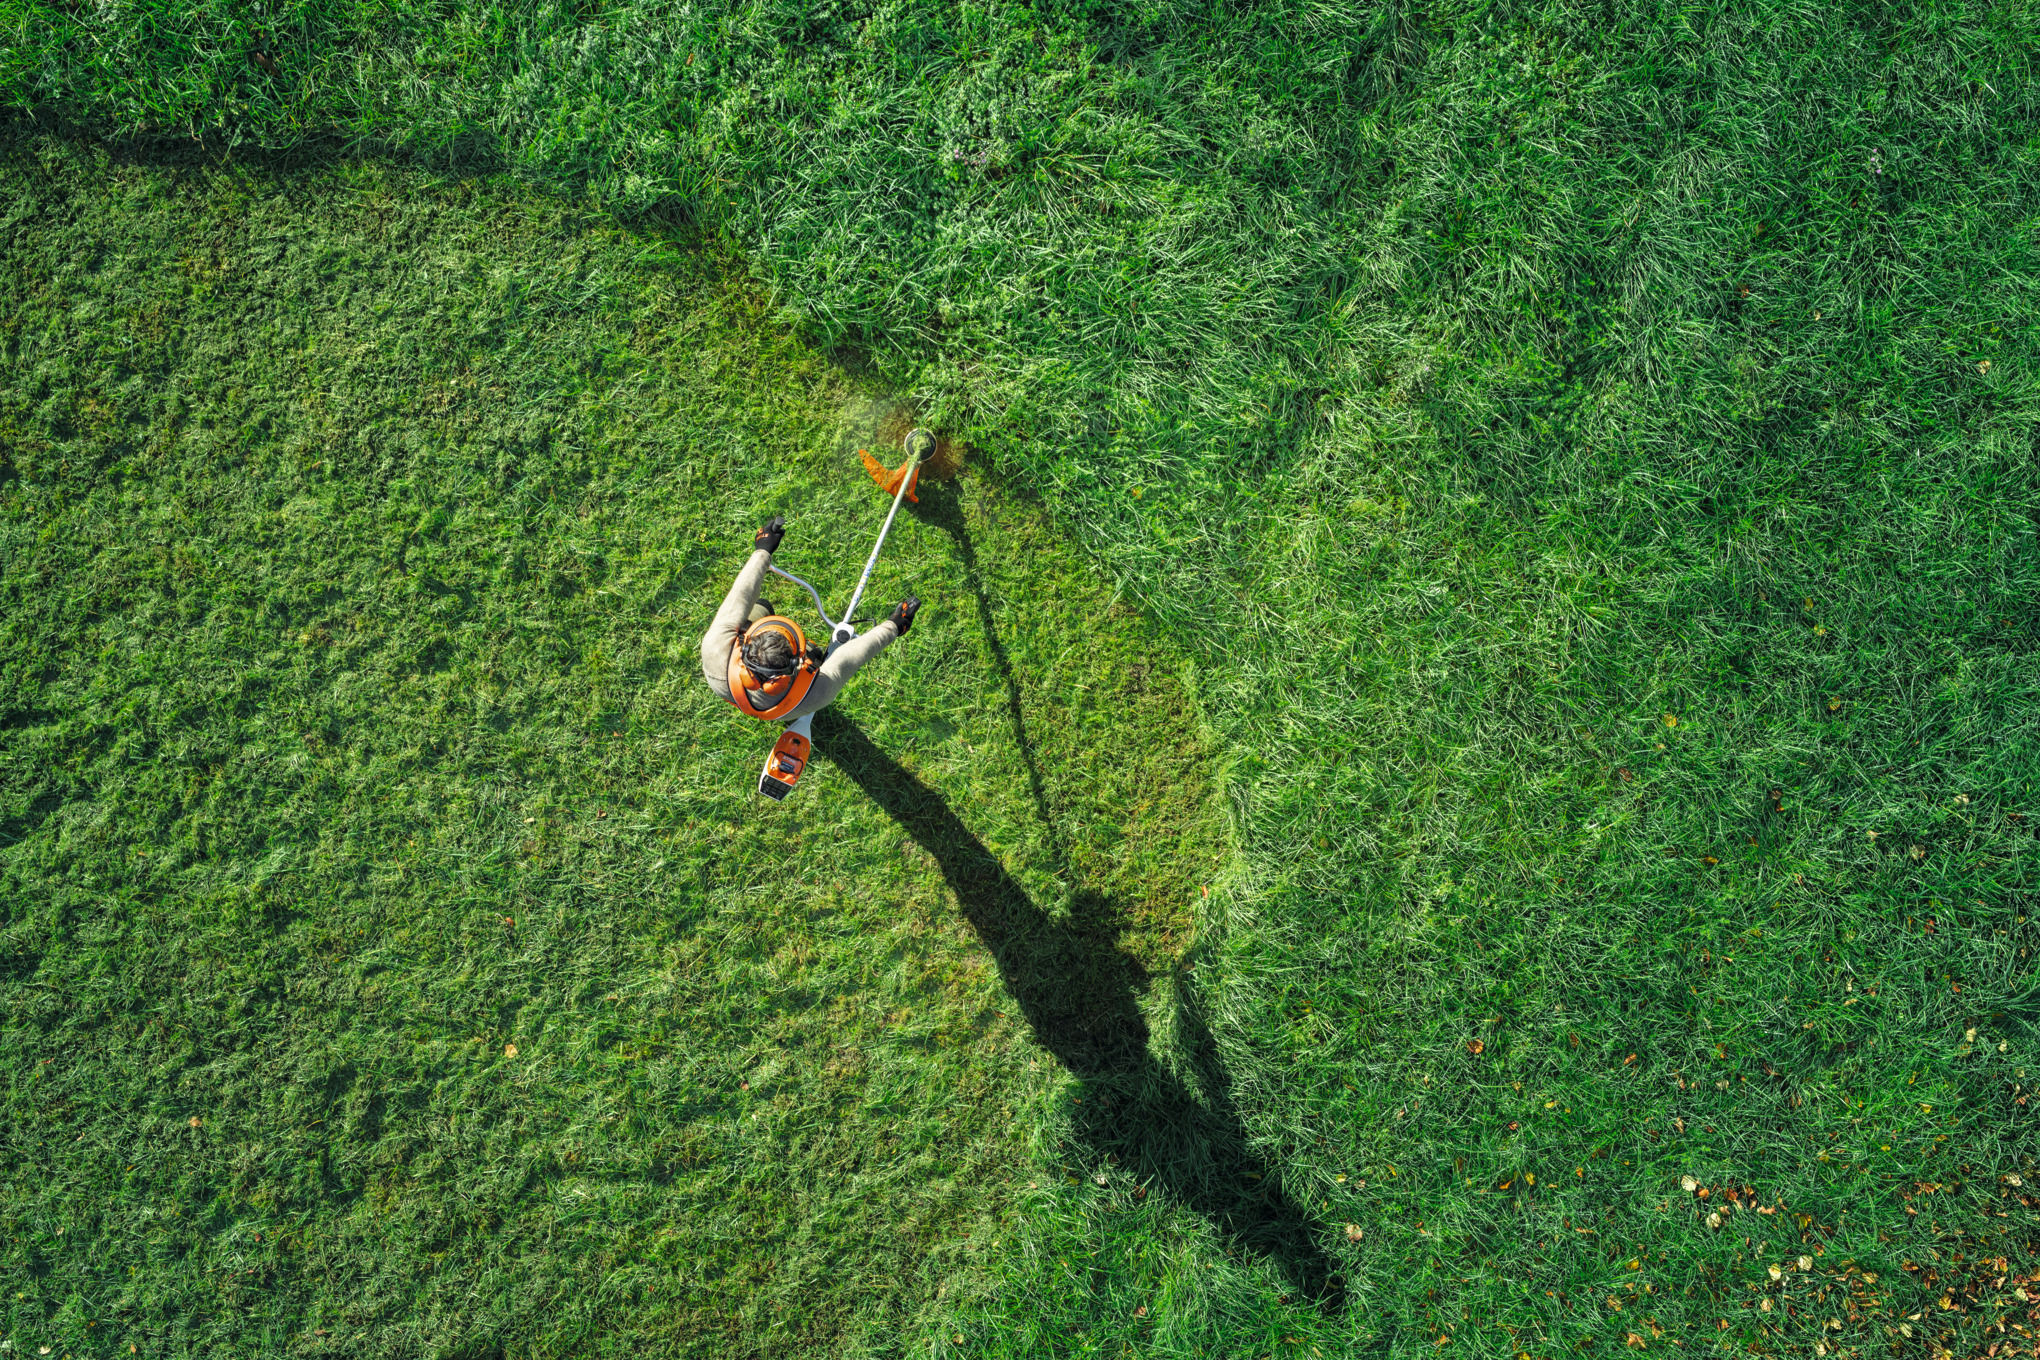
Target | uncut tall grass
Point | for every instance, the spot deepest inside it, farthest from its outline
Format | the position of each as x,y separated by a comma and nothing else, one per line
1554,431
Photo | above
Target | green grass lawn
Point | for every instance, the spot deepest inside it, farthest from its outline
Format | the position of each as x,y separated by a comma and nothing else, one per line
1536,514
398,955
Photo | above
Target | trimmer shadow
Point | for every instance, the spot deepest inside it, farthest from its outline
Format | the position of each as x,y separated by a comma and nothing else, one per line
941,508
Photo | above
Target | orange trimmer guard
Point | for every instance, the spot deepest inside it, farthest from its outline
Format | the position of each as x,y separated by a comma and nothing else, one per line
889,478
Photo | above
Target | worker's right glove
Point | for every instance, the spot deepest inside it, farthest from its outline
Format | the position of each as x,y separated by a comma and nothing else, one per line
769,536
902,616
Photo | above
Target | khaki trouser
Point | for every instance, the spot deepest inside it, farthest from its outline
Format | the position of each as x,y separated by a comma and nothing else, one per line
741,606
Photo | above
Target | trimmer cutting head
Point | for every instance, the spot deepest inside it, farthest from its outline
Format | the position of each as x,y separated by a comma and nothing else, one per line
918,445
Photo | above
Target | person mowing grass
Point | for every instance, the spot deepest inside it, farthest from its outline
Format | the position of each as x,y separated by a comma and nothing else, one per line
758,660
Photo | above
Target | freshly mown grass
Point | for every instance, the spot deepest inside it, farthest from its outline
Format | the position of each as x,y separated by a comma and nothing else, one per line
1591,454
398,958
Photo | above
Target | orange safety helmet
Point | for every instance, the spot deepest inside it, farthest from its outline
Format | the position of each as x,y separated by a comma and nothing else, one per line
783,687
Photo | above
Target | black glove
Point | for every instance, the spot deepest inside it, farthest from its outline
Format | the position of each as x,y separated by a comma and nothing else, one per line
769,536
903,615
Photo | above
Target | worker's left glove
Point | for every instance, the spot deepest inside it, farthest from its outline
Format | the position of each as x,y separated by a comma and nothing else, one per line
769,536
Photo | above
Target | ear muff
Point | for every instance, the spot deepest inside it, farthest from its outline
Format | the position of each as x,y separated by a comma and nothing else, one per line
762,690
769,679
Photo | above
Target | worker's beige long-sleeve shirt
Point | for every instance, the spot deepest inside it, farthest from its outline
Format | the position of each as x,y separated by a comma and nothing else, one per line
741,605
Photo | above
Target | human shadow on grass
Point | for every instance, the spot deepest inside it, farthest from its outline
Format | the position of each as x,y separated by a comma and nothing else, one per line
1080,993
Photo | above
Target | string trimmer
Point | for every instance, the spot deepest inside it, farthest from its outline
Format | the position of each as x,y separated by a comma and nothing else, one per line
790,754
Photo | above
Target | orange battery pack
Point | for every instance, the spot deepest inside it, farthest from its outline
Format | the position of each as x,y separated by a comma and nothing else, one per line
782,768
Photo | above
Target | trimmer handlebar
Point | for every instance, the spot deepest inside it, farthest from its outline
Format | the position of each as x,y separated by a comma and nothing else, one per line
842,631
